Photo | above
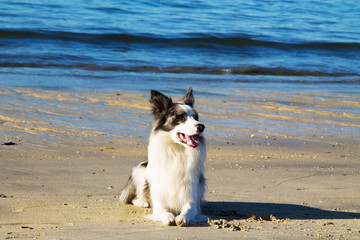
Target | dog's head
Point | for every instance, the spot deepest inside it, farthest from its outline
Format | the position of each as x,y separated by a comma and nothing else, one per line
179,119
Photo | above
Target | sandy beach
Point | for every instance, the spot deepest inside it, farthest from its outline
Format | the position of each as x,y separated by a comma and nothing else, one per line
279,166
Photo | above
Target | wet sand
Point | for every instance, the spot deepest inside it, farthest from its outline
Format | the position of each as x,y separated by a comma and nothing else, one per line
279,166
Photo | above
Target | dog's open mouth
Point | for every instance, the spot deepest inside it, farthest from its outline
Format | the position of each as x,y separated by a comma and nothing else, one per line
191,141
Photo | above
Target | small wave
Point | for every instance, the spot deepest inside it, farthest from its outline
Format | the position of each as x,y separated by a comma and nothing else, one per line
184,41
183,69
252,71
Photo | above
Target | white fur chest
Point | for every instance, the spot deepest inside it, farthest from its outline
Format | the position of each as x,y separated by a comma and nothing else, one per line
173,170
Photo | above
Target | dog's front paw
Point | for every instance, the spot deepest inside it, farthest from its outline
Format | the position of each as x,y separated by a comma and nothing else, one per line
169,219
181,221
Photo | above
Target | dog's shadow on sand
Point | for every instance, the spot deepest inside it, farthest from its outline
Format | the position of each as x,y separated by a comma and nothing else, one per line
244,210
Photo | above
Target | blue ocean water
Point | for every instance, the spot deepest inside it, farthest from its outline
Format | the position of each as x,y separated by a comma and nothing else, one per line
169,45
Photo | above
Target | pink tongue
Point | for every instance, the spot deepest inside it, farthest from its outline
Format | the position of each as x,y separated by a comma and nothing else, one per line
190,141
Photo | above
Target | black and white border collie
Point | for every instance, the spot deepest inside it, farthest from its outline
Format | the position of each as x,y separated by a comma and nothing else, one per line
172,180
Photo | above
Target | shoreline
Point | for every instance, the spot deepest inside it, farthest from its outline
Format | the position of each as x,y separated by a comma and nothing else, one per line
62,180
118,113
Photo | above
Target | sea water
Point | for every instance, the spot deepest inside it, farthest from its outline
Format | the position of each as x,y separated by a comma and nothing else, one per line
217,47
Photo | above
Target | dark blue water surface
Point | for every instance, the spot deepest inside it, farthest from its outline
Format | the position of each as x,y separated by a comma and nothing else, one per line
211,45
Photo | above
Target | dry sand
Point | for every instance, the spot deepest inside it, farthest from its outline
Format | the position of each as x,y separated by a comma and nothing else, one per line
274,170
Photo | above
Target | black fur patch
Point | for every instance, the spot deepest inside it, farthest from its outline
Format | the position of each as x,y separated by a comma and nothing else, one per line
173,117
189,98
129,191
144,164
160,102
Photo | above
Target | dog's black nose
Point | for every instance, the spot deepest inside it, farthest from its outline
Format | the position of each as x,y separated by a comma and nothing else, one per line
200,128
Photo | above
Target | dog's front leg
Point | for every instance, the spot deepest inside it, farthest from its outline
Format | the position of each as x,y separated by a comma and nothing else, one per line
161,214
187,214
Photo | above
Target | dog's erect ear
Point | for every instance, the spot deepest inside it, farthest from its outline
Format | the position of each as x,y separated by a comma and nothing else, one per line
189,98
160,102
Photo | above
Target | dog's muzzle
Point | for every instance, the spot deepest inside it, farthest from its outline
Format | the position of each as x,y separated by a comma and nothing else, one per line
191,140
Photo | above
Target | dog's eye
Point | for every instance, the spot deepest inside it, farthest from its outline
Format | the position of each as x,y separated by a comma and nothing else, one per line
196,117
181,117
